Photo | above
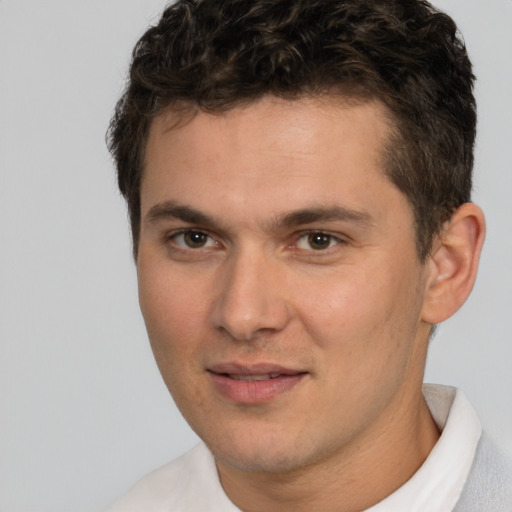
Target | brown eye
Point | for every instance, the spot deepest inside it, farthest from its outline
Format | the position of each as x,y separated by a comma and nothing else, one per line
193,240
317,241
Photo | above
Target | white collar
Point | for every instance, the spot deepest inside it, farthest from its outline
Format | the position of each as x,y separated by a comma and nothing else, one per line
438,484
191,483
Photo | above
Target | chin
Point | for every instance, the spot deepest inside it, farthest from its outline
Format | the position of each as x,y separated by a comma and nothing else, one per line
258,462
263,454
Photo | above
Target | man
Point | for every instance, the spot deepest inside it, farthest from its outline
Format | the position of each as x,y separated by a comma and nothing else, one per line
298,177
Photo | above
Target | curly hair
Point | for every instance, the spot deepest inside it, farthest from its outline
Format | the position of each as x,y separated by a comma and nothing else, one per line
215,55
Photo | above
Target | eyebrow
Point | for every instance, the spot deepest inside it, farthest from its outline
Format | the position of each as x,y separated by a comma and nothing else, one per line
322,214
171,210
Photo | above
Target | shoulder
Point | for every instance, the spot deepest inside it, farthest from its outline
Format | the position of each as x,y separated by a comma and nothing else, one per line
188,483
489,483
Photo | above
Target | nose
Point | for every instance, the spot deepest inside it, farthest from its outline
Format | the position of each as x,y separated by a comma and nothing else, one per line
252,298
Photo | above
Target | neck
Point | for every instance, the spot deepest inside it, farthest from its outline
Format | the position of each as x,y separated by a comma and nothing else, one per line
361,475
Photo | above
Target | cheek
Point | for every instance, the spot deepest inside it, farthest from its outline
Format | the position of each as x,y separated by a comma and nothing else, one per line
365,318
342,309
171,314
170,311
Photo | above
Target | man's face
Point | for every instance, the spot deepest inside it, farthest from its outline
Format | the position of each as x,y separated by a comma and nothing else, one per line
279,280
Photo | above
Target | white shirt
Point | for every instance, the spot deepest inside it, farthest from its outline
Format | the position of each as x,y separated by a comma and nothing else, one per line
438,484
191,484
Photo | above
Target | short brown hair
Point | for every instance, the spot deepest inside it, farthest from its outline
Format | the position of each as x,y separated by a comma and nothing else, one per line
217,54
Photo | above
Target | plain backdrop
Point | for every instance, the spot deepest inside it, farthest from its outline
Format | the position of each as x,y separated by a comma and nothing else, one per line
83,410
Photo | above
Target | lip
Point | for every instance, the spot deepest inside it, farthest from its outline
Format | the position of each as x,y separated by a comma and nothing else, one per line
253,384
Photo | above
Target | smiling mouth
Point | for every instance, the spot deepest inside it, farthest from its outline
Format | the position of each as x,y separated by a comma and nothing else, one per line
254,385
252,377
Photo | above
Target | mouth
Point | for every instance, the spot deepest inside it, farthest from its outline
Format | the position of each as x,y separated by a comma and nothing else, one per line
254,384
252,377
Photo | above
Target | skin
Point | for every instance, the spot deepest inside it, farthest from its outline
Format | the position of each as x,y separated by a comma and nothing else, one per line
228,272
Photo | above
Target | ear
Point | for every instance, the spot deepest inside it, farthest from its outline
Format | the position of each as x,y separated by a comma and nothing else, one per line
453,264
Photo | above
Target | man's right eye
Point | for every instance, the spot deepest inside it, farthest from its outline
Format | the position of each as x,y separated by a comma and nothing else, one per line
192,239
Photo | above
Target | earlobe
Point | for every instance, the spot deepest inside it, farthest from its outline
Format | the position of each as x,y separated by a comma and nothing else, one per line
453,263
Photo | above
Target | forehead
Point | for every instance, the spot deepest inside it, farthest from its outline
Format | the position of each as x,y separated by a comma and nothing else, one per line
305,110
318,150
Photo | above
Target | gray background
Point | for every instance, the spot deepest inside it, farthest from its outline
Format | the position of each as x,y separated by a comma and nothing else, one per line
83,411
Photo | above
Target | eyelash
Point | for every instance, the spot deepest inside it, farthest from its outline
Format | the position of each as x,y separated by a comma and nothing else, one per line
183,232
332,240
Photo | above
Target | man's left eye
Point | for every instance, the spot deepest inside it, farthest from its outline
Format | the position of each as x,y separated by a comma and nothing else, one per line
317,241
